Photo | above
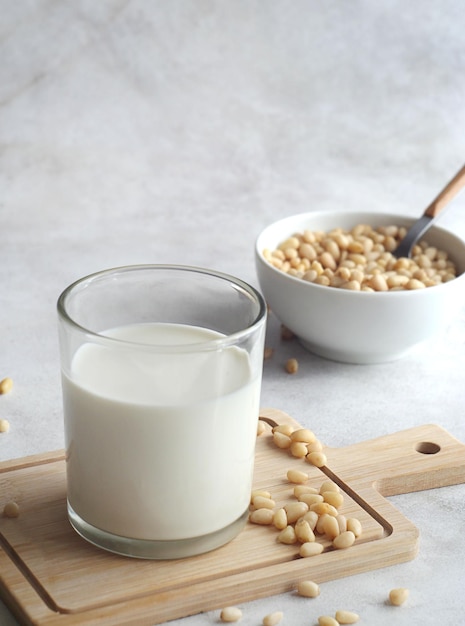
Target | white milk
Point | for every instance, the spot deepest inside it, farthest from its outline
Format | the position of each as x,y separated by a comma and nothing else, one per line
160,447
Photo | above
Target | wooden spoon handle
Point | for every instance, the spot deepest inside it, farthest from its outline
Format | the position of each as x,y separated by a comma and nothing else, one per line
447,194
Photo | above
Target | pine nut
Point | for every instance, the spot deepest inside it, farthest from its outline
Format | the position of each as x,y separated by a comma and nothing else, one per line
286,333
317,458
378,283
230,614
260,492
398,596
327,261
287,536
331,527
303,531
323,508
294,510
320,525
268,353
297,476
303,434
316,446
307,251
261,502
272,619
4,425
308,589
285,429
354,525
311,548
344,540
310,499
351,285
264,517
261,427
292,366
327,620
6,385
280,519
335,498
414,283
291,242
310,276
342,523
301,489
346,617
11,509
298,449
281,440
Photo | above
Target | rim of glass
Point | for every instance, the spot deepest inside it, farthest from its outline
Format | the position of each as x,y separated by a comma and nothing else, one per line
211,344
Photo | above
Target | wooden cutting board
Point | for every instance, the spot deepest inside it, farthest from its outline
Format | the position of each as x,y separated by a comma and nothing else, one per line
49,575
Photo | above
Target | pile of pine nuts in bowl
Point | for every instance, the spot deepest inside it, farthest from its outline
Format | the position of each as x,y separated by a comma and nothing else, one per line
331,278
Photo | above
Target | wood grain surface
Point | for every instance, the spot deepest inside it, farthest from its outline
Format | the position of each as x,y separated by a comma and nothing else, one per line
49,575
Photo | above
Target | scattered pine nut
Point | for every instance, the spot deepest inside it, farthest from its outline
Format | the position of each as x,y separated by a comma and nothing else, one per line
311,548
303,531
6,385
268,353
346,617
230,614
312,518
321,523
344,540
280,519
355,526
260,492
317,458
316,446
286,429
328,485
335,498
273,618
398,596
294,510
263,517
263,502
287,535
292,366
298,449
331,527
4,426
342,522
310,499
327,620
297,476
308,589
286,333
11,509
261,427
303,434
299,490
323,508
282,440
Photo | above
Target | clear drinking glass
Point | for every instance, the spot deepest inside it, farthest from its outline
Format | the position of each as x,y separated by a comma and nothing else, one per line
161,376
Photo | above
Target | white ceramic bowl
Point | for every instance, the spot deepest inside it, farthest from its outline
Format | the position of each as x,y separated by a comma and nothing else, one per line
356,326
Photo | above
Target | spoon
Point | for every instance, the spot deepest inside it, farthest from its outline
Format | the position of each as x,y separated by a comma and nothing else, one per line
437,205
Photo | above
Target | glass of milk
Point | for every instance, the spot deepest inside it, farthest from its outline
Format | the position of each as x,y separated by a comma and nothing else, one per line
161,375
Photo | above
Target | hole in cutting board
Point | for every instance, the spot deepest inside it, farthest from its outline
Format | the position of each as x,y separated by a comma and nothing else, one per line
427,447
